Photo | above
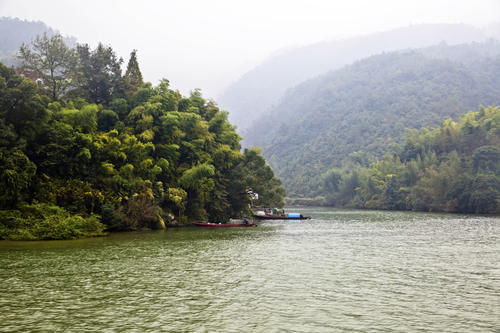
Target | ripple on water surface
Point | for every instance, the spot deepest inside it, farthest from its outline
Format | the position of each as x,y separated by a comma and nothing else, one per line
343,270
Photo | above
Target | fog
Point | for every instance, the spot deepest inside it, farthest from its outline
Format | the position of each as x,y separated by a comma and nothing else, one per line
209,44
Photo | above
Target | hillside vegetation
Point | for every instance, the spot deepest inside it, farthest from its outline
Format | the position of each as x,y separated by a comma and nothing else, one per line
453,168
362,111
258,90
88,148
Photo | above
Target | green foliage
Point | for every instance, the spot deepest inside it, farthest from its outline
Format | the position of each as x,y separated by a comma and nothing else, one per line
178,196
20,105
16,174
260,179
98,74
43,221
451,168
139,211
356,114
133,75
147,155
106,120
120,107
84,120
192,178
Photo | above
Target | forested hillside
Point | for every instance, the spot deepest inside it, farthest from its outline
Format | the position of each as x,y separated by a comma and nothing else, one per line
261,88
88,148
453,168
365,108
14,32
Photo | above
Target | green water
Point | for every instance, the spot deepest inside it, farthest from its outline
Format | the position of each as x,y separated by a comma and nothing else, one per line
341,271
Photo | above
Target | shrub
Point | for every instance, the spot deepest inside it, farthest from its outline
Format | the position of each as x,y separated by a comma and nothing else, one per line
44,221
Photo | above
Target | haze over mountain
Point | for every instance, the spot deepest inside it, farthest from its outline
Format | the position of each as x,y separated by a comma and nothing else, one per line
262,87
14,32
366,107
209,44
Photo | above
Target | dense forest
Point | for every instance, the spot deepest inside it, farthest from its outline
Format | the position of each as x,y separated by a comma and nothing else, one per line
361,111
85,148
452,168
258,90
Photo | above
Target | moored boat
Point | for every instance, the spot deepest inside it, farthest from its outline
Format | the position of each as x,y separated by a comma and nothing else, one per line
243,223
268,214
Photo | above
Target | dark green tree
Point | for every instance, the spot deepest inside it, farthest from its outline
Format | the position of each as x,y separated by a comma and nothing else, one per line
133,75
20,104
99,76
486,158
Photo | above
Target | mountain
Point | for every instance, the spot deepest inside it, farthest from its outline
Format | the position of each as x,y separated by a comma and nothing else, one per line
261,88
453,167
366,107
14,32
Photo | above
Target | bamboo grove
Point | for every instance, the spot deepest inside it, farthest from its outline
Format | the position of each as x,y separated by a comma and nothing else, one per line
85,149
451,168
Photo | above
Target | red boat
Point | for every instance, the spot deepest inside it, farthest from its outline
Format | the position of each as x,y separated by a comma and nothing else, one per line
223,225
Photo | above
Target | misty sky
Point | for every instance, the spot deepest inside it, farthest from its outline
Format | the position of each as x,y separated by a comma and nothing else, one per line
208,44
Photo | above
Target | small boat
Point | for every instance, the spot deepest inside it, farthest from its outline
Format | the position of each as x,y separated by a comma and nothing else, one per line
267,214
224,225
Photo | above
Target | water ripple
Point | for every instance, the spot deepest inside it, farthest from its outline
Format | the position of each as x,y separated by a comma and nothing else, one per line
344,270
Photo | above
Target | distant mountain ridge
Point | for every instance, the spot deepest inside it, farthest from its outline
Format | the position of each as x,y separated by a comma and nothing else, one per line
366,107
14,32
261,88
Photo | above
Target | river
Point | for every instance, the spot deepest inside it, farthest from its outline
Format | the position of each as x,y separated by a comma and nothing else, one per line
343,270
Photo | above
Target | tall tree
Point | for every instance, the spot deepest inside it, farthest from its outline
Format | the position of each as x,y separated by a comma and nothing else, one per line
133,75
99,74
49,59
